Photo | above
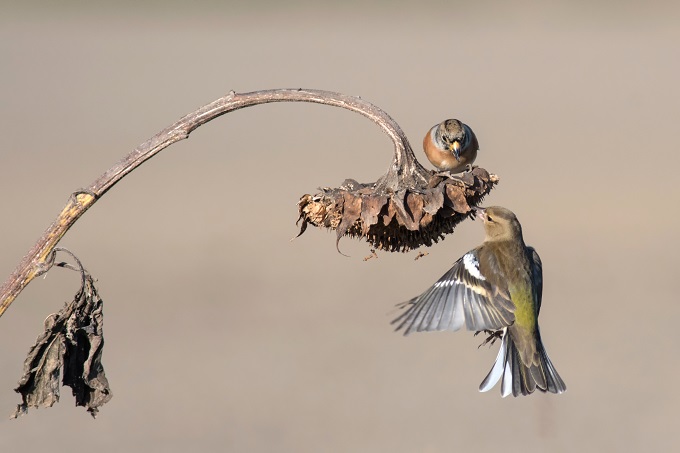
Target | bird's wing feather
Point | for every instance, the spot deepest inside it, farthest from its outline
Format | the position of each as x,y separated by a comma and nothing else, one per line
537,276
462,296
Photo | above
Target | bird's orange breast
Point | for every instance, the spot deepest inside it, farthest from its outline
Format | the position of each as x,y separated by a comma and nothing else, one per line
443,159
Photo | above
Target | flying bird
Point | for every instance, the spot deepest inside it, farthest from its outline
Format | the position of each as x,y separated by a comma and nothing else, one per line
495,288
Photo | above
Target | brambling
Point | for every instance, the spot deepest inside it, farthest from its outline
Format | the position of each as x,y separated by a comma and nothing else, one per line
496,288
451,146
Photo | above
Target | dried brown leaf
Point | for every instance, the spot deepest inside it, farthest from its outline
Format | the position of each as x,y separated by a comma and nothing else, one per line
414,206
371,207
433,200
72,344
403,217
455,195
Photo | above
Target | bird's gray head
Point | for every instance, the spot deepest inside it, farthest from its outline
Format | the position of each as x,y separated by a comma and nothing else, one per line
451,135
455,136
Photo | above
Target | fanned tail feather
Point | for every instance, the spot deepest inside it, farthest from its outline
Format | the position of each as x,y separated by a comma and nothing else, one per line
519,379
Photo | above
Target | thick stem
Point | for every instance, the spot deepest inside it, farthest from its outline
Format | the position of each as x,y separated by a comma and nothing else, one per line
405,170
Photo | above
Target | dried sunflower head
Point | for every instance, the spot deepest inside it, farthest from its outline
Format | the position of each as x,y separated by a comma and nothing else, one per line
400,220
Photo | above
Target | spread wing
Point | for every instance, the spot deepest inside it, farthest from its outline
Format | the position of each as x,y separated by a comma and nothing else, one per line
461,296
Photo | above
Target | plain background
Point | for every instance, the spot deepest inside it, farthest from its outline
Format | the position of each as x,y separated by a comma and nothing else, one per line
221,335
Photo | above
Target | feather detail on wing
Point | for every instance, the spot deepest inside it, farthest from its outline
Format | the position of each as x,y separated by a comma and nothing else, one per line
462,296
537,276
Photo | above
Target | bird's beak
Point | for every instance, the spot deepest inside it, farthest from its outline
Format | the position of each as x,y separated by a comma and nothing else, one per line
479,212
455,147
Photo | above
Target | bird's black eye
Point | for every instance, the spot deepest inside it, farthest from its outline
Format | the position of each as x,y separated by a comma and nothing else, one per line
488,218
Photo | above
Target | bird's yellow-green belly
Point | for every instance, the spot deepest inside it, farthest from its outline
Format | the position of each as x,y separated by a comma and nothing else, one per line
525,313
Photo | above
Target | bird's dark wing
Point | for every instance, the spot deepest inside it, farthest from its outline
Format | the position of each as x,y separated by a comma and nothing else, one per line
462,296
536,276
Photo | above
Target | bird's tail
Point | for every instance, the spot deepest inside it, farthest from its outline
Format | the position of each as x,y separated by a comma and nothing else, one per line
518,378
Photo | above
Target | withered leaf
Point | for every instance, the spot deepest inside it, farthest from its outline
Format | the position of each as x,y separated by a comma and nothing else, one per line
414,206
350,214
40,383
469,177
482,174
433,201
371,205
391,212
425,220
403,217
456,196
71,344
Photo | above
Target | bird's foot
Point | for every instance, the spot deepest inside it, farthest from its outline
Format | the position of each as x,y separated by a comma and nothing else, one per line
493,335
444,174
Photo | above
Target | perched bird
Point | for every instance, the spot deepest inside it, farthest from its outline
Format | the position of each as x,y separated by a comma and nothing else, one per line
451,146
495,288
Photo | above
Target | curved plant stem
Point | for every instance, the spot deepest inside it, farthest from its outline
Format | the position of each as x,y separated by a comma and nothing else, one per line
405,170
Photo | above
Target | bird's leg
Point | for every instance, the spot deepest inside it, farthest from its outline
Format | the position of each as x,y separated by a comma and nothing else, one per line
449,175
493,335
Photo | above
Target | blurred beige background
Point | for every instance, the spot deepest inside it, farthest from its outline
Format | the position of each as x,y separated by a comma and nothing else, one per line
224,336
